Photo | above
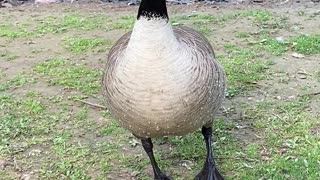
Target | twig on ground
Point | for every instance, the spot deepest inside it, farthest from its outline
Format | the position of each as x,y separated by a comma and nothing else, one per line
92,104
237,158
311,94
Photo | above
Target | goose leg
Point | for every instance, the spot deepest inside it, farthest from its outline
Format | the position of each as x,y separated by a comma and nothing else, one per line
148,147
209,171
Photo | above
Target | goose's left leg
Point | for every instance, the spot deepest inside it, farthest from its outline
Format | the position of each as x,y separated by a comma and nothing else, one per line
209,171
148,147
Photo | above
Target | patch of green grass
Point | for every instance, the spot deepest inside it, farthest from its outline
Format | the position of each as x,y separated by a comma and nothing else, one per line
61,72
205,30
113,128
273,46
72,22
124,22
6,56
201,19
21,119
122,25
14,30
307,44
303,44
70,158
17,81
265,20
191,148
291,151
2,74
242,35
258,15
77,45
243,69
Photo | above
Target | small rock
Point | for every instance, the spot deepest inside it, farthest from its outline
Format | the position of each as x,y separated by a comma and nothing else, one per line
264,152
266,158
291,97
297,55
176,24
45,1
295,28
27,176
35,152
133,142
187,164
2,164
303,76
283,151
133,2
280,39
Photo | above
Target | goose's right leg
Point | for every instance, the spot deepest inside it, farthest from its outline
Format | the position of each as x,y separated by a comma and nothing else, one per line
148,147
209,171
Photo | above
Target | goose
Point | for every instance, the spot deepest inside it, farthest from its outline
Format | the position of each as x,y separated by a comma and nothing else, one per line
162,81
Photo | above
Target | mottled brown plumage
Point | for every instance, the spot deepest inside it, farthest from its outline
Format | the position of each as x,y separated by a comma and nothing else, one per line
172,96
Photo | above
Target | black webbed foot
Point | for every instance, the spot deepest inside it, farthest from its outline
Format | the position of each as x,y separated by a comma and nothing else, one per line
162,177
209,172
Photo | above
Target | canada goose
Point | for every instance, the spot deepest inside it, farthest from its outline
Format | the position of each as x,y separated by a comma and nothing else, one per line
164,81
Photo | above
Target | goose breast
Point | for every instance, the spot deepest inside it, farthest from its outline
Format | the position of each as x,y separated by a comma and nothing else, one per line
166,94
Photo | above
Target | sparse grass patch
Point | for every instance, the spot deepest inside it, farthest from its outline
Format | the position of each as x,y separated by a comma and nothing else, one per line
21,120
307,44
273,46
303,44
191,148
203,22
17,81
14,30
2,74
7,56
257,15
243,69
290,151
124,22
201,19
77,45
72,22
61,72
113,128
205,30
242,35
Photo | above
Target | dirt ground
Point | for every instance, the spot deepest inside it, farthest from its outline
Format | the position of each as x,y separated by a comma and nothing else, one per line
24,51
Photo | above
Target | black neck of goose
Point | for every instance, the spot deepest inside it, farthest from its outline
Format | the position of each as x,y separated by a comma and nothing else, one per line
153,9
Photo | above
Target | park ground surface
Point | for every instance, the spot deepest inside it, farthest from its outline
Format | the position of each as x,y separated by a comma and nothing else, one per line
51,63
